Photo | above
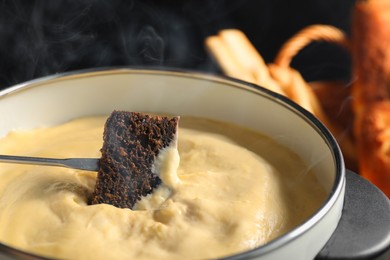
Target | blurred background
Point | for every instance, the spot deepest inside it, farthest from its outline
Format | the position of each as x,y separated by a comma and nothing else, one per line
40,38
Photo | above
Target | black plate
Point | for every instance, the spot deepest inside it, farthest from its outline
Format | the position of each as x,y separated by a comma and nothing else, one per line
364,228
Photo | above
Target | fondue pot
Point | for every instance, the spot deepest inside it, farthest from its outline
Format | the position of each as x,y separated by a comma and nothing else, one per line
354,219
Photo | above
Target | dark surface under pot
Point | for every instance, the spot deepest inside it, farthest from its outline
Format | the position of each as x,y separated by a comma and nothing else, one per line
364,228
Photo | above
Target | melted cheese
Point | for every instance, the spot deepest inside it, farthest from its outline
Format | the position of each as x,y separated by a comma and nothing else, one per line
233,190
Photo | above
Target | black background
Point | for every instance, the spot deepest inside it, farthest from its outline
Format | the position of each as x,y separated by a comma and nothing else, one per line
39,38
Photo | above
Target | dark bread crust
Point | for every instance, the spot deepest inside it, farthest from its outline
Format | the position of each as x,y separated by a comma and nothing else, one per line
131,143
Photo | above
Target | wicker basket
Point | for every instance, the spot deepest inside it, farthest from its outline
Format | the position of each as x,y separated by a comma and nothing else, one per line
330,101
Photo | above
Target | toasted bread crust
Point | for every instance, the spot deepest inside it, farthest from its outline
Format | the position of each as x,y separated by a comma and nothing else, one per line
132,141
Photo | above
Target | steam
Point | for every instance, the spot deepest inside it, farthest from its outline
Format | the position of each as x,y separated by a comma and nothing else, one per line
151,46
47,37
39,38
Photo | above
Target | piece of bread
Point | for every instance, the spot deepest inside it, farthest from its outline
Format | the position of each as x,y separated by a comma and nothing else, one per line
131,143
370,90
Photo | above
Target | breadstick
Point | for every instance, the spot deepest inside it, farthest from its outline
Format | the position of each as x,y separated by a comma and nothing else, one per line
232,45
249,58
371,65
371,52
247,55
226,59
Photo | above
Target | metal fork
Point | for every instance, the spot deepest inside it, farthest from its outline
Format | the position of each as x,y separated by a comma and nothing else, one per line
88,164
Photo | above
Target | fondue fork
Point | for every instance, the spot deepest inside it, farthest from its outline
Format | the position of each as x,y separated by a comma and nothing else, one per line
87,164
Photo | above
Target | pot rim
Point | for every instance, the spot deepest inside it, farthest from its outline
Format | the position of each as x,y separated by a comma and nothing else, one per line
276,243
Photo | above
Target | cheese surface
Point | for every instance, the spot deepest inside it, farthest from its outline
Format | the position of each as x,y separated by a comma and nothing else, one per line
227,190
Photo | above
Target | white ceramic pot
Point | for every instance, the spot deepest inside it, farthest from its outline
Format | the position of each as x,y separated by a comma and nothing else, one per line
56,99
